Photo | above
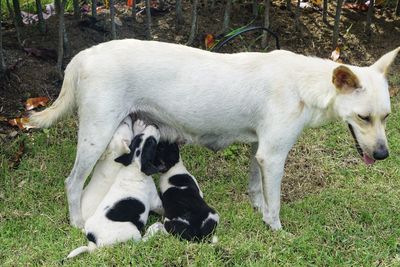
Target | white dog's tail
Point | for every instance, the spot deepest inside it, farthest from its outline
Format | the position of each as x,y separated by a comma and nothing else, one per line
89,248
63,104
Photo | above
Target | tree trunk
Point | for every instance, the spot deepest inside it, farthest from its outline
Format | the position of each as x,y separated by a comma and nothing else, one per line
212,4
325,11
227,16
370,14
39,9
17,29
297,16
179,14
17,12
193,28
288,5
77,9
335,36
267,5
255,8
397,12
2,61
148,20
112,16
94,8
60,6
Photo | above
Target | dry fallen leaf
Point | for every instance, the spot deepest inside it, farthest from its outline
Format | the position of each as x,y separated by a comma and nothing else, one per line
35,102
355,6
335,54
394,91
317,3
22,123
209,41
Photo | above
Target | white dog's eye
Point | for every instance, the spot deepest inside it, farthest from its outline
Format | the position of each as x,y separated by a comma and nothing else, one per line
365,118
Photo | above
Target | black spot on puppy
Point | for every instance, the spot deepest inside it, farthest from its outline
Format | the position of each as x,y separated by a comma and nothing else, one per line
127,210
138,153
180,180
91,237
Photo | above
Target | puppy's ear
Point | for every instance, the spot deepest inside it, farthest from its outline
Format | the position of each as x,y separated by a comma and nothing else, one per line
385,61
125,159
148,155
345,80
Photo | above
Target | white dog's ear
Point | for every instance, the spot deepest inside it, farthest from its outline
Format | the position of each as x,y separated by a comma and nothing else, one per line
125,146
384,62
345,80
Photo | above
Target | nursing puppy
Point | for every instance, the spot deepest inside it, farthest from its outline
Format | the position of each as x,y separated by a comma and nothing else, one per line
106,169
124,210
212,99
187,215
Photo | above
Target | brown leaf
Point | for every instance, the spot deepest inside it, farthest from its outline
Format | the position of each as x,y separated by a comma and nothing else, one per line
32,103
22,123
335,54
209,41
355,6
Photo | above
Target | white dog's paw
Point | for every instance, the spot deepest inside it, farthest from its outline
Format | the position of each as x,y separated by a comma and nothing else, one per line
138,127
77,222
273,222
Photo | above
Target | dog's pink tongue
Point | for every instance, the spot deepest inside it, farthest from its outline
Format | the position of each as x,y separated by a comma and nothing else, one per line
368,160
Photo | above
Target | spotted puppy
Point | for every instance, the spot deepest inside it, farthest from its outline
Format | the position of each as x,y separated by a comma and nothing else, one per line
105,171
186,213
124,210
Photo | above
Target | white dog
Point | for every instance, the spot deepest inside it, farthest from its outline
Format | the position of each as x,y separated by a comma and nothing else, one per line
125,209
106,169
187,215
212,99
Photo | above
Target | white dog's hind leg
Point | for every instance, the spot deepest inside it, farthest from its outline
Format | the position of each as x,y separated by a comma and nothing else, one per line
255,189
93,139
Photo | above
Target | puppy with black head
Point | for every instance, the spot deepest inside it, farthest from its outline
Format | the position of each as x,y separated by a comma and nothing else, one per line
124,210
187,215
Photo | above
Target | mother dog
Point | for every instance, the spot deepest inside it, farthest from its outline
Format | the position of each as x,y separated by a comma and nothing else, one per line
215,99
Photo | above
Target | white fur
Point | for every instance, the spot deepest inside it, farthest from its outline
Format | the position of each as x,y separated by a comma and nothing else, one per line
266,99
130,182
106,169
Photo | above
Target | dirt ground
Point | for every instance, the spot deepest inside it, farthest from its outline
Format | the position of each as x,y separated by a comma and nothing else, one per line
32,76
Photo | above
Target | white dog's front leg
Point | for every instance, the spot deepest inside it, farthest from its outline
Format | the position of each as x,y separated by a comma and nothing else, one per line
272,169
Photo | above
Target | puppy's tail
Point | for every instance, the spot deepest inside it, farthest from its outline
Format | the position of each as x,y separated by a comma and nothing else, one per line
89,248
63,104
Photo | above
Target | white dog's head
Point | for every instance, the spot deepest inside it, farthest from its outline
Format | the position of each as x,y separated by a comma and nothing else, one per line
363,102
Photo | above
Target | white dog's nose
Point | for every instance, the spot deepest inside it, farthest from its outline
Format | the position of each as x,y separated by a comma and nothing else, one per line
381,152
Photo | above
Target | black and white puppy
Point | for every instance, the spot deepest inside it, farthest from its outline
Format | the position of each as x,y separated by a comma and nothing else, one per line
187,215
124,210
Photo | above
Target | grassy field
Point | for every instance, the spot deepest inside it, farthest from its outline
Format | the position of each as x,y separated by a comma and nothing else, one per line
336,211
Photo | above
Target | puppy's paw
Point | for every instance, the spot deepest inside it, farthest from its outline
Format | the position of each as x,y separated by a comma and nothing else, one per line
138,127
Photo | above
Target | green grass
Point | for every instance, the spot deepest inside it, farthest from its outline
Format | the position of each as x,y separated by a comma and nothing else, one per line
336,211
